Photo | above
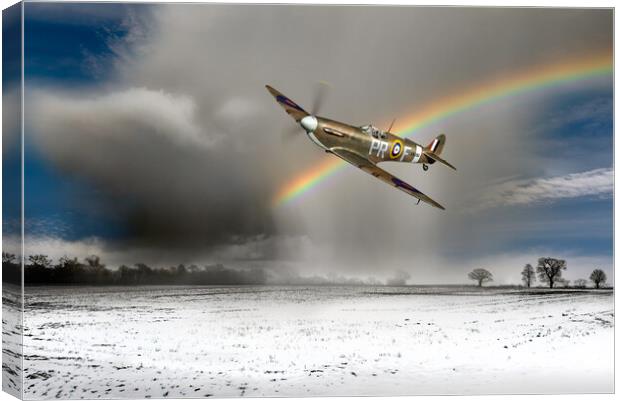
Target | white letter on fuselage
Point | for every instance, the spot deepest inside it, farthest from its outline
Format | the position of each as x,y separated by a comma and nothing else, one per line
406,152
374,145
382,149
418,154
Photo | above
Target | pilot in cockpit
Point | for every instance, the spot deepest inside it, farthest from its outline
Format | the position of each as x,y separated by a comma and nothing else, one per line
373,131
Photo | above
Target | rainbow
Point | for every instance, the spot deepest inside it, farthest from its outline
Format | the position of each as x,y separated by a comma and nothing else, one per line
530,80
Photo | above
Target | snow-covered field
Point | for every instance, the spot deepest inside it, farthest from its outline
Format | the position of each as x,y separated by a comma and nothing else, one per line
11,339
297,341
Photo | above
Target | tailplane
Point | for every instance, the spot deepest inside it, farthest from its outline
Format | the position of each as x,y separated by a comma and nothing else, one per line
433,150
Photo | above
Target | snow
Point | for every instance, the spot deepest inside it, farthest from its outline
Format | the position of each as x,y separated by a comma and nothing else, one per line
297,341
11,339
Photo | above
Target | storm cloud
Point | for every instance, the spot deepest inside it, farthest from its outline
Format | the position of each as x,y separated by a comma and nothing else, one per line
166,172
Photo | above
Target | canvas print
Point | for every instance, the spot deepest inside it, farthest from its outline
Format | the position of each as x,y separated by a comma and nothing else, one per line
244,200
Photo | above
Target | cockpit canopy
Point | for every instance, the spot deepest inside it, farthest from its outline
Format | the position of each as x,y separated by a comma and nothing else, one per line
373,131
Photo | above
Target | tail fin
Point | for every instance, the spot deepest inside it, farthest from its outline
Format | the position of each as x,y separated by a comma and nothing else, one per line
433,150
436,145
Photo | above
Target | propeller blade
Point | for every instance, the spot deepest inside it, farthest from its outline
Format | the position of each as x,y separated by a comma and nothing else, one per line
319,97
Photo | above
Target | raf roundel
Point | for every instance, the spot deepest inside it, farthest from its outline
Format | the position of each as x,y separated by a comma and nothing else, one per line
397,149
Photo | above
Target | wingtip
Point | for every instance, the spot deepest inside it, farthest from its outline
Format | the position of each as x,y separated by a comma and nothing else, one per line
434,203
437,205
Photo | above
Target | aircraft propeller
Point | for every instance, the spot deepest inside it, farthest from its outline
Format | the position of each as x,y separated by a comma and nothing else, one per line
320,94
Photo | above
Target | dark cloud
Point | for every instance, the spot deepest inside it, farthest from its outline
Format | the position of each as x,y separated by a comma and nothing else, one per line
180,185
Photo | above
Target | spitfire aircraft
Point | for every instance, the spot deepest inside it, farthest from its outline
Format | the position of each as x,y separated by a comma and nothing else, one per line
366,146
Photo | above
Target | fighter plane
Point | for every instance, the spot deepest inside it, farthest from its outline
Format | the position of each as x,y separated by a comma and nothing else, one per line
366,146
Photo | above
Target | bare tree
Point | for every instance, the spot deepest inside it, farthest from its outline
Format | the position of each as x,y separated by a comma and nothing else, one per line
598,277
528,275
40,261
181,270
550,270
8,258
580,283
94,262
11,268
68,263
481,276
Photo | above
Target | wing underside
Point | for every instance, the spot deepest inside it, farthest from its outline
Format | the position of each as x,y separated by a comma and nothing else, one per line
383,175
434,156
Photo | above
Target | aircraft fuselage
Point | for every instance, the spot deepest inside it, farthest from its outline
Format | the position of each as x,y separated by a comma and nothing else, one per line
378,147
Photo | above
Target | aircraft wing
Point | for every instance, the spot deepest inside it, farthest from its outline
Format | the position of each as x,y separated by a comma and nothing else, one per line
383,175
292,108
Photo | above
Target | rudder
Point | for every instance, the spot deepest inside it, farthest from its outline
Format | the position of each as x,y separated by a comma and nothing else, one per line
437,144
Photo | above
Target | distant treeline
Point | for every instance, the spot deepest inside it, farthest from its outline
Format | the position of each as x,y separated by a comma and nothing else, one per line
41,270
549,272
